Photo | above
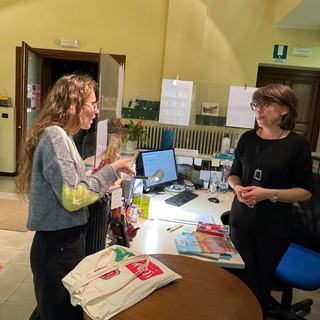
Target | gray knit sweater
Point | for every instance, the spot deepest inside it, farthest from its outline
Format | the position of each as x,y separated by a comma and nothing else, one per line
60,189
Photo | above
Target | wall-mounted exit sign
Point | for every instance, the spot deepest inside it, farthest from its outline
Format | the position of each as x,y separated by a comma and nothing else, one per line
280,52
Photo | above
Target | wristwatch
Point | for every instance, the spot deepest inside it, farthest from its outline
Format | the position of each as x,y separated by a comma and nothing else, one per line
275,196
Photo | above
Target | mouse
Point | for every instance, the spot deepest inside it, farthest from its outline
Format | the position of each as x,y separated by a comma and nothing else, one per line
214,200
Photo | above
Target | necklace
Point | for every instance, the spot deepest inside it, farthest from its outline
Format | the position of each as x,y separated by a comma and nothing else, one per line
257,176
272,139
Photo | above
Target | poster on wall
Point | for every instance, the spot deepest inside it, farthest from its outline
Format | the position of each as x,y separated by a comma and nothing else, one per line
239,112
36,96
210,109
175,104
33,96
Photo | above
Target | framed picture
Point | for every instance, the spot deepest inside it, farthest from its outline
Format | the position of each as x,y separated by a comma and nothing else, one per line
210,109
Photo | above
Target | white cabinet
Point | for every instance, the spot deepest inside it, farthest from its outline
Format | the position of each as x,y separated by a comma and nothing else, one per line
7,141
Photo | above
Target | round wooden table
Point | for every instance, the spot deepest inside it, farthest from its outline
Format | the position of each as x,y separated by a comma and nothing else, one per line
205,291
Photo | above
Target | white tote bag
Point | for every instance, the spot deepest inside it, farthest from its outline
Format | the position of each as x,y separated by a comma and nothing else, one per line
111,280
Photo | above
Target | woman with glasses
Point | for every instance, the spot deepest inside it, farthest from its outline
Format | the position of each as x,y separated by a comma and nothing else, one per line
52,175
271,171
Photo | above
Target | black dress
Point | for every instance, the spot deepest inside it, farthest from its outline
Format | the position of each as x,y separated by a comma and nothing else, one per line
263,233
285,163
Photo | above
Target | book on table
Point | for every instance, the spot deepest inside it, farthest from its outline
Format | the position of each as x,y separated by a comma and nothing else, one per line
220,230
204,245
214,244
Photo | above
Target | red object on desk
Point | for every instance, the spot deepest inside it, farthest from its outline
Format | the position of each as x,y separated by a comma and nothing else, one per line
219,230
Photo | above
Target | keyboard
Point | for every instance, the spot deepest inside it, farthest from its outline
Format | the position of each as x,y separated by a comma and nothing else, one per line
181,198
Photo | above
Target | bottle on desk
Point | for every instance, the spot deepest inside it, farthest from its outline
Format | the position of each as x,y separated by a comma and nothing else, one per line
225,145
223,188
214,181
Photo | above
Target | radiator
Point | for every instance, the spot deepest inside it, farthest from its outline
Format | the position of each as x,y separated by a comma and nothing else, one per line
205,140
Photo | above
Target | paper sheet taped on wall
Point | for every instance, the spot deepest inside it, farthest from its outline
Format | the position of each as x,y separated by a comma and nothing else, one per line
175,104
239,112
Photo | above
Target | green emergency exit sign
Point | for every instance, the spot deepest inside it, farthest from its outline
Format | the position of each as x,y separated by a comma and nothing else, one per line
280,51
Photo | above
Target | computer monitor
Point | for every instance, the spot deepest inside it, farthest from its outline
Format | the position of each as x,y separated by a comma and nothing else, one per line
154,160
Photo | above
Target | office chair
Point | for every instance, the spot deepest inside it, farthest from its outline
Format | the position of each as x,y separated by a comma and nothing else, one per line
225,217
300,266
167,139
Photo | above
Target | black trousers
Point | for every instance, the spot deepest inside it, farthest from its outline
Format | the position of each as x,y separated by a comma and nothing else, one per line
53,255
261,255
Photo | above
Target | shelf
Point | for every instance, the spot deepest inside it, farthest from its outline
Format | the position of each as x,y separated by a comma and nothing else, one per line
211,120
146,110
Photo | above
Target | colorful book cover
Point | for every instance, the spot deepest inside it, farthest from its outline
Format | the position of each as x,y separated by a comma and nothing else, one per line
203,245
187,243
213,244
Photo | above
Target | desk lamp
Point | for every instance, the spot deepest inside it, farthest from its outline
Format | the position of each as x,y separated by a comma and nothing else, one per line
156,177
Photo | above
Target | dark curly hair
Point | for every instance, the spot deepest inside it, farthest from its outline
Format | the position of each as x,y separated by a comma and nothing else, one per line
282,95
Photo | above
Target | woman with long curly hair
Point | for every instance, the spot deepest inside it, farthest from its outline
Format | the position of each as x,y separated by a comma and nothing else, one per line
52,175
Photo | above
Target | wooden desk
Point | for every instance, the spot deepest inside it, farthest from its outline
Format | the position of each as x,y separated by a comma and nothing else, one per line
204,292
153,237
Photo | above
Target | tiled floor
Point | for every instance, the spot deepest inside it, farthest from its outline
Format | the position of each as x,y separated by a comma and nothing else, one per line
17,299
16,288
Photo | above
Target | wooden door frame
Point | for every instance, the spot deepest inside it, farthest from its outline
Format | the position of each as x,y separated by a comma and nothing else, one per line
303,72
47,55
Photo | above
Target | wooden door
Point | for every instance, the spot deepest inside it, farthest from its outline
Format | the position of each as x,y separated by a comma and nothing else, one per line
306,85
25,53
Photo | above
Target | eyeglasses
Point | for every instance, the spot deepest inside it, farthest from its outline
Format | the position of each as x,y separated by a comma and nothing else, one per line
94,106
261,105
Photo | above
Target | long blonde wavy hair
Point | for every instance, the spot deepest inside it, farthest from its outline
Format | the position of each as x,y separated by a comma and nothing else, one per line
62,107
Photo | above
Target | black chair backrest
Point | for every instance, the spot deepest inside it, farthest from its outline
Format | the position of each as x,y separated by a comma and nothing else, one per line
307,219
225,217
